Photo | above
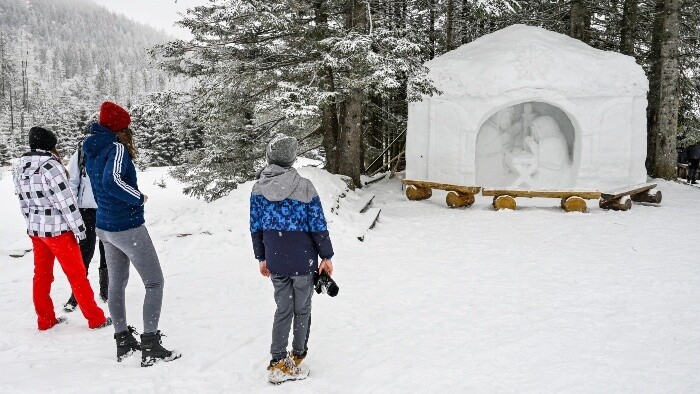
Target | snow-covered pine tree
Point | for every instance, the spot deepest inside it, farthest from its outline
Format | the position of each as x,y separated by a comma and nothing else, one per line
308,65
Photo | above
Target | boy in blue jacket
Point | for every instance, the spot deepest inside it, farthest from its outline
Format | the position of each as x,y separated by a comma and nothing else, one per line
289,234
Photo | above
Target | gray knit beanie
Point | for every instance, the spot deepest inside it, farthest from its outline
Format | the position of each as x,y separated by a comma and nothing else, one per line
282,150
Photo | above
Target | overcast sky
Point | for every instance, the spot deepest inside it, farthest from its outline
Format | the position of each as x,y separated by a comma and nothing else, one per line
161,14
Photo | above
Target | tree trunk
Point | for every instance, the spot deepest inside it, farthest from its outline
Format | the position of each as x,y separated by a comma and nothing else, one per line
630,15
664,92
580,20
350,143
329,111
350,153
329,128
431,29
449,25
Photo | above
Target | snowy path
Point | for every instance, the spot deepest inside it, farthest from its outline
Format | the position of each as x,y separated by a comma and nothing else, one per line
434,300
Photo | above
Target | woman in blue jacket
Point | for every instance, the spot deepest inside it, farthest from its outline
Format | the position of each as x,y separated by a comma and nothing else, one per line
120,225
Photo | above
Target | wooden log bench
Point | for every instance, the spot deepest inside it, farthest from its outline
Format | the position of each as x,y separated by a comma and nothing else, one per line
571,201
458,196
621,199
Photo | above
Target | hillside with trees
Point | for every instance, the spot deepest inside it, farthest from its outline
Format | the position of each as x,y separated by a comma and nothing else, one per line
59,59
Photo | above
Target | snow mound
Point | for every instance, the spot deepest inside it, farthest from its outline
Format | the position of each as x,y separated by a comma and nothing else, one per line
337,200
522,56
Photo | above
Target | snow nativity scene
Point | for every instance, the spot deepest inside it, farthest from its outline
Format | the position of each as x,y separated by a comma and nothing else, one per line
526,108
465,194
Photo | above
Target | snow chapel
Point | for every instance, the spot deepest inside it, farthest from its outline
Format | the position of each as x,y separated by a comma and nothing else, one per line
525,107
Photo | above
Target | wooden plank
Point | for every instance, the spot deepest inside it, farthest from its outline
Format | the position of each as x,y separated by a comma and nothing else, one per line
628,190
369,219
364,202
587,195
443,186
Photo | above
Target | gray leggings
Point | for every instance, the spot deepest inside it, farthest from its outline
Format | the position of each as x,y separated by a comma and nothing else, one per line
133,245
293,299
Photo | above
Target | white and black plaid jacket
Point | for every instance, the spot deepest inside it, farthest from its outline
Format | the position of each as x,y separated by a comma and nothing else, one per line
48,205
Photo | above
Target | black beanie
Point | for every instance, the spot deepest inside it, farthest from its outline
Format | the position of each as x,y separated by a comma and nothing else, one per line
40,138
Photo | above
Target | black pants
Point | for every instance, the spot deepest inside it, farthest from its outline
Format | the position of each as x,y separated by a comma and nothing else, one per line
87,249
693,170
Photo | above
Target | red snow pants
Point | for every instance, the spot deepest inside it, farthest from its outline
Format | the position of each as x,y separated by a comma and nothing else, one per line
64,248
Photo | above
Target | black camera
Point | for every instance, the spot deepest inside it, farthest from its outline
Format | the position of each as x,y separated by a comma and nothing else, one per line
323,283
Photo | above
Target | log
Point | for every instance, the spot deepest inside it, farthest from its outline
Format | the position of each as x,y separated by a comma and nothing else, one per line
574,204
588,195
504,202
654,198
456,200
418,193
619,204
626,191
443,186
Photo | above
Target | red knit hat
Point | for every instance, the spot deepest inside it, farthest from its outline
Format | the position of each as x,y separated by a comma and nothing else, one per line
114,117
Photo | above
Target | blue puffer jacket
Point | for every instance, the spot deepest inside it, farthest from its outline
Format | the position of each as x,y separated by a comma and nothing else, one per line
113,178
287,223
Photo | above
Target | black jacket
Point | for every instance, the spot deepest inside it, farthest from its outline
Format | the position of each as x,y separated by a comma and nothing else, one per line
692,152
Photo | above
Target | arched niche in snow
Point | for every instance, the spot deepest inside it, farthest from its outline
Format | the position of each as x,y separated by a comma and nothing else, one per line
531,144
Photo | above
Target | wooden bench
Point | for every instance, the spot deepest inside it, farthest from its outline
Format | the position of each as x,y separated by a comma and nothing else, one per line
571,201
458,196
617,199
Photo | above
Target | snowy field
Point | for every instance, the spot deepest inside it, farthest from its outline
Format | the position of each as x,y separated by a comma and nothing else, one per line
435,300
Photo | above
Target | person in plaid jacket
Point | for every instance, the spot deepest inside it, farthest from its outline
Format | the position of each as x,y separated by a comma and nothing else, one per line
55,226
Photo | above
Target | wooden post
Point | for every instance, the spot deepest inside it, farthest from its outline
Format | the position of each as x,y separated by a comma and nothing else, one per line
654,198
456,200
618,204
504,202
573,204
418,193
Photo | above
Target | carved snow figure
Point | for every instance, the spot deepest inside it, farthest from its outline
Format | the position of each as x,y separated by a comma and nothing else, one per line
492,143
548,145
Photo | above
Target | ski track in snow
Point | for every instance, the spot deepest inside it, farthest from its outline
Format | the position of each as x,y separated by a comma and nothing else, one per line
434,300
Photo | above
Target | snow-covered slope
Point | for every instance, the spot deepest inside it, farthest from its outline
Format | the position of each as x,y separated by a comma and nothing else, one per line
434,300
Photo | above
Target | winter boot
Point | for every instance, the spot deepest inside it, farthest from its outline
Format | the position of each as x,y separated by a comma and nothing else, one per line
298,358
70,305
152,351
280,371
104,283
126,343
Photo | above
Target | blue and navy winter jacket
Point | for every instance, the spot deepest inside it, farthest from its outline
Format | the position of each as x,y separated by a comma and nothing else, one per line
287,224
113,179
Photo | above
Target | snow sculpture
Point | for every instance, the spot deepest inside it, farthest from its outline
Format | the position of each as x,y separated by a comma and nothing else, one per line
548,145
526,107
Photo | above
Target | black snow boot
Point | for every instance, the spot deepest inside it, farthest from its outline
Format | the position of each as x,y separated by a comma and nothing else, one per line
152,351
104,283
71,304
126,343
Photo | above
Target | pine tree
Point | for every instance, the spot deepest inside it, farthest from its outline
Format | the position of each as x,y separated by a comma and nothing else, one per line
282,63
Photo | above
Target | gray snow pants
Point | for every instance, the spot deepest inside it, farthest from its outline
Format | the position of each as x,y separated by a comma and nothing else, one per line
293,299
133,245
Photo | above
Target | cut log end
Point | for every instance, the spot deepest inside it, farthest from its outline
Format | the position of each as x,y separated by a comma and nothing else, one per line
456,200
620,204
574,204
654,198
418,193
504,202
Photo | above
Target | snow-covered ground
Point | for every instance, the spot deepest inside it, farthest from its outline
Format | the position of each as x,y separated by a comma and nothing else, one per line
434,300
